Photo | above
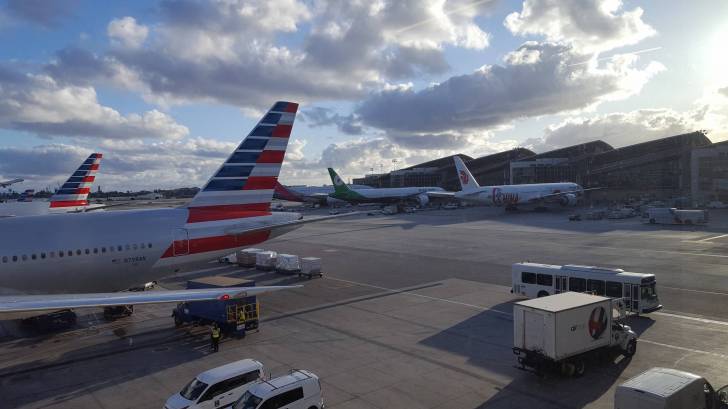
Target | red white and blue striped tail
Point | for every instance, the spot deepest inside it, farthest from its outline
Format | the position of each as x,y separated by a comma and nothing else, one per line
243,186
75,191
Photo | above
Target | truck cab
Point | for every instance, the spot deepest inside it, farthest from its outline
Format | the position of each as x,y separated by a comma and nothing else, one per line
665,388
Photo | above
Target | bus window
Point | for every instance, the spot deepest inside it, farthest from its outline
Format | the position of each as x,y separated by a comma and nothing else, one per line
545,279
528,278
596,286
614,289
577,284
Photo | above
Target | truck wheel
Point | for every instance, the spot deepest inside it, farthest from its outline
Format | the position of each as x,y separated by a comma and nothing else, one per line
579,367
177,321
631,348
542,293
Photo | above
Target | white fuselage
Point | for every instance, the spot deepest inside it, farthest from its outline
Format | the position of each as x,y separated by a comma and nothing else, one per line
113,251
37,208
395,193
512,195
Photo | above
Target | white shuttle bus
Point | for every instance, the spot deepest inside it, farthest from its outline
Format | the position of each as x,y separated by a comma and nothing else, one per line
637,290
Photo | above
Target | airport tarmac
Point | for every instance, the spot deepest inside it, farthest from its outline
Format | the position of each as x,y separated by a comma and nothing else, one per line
414,311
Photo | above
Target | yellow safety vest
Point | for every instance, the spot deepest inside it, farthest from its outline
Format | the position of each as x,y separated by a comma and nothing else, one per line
216,333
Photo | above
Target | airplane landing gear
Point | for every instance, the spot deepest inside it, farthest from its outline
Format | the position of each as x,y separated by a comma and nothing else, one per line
112,313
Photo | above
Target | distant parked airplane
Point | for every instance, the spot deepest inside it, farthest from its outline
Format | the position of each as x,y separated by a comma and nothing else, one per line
10,182
310,194
511,196
418,195
71,197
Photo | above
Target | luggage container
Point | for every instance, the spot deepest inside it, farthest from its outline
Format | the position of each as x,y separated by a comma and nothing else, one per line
233,316
266,260
287,264
247,257
310,267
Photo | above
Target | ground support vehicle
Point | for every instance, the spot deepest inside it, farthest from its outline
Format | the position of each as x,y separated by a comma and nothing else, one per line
565,332
233,316
665,388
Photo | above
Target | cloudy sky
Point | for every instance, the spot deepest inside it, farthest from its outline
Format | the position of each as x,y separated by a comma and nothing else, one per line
166,89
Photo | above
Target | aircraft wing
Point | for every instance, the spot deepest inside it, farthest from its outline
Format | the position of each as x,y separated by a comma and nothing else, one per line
285,226
15,304
575,192
439,194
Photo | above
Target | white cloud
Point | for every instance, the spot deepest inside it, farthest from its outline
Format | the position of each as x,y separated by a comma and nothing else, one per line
590,26
39,104
537,79
125,32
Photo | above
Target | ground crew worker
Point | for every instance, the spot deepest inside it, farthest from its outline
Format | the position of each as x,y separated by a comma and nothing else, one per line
215,337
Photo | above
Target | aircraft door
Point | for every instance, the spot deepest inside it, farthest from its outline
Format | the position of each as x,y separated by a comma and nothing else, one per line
181,242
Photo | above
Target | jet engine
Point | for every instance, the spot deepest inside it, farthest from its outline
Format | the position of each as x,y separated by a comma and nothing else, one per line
568,199
423,200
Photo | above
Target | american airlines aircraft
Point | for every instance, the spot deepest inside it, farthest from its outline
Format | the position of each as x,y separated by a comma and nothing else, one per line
7,183
510,196
71,197
79,260
419,195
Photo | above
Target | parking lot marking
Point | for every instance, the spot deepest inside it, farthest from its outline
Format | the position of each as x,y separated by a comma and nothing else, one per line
693,291
477,307
685,253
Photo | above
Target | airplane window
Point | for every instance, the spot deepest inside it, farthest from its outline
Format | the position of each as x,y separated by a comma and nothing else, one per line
128,247
111,249
42,255
103,249
60,254
141,245
5,259
87,251
135,246
119,248
78,252
32,256
15,258
69,253
149,245
25,257
96,250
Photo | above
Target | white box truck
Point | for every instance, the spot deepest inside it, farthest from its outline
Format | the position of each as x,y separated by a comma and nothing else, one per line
671,215
665,388
562,332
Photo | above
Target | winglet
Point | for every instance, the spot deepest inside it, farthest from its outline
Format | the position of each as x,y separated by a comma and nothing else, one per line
467,181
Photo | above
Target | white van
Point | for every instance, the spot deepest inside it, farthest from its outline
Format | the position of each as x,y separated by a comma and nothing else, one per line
298,390
218,387
665,388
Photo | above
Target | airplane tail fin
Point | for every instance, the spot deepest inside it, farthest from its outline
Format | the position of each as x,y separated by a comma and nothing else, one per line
283,193
243,186
75,191
339,185
467,181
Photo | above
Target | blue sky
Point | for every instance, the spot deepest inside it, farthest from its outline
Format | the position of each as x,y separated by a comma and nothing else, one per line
165,89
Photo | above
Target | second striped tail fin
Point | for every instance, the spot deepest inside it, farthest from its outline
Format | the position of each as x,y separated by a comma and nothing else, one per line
74,193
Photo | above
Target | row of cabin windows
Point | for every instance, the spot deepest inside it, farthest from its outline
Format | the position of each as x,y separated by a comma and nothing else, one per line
77,252
598,287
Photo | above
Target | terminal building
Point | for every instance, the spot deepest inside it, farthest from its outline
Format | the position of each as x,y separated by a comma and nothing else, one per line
687,166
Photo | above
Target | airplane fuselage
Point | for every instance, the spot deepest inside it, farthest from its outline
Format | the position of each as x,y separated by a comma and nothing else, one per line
378,195
113,251
513,195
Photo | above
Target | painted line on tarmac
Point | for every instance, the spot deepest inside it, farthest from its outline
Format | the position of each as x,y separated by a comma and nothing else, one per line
407,292
685,253
693,291
713,238
687,317
508,314
696,351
